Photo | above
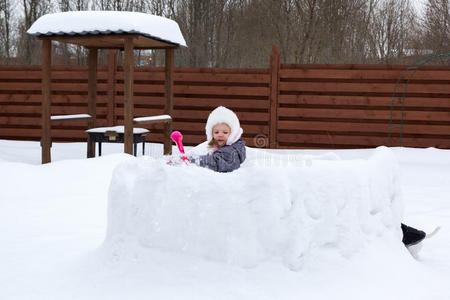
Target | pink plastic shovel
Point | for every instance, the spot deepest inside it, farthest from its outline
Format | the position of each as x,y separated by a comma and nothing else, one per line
177,137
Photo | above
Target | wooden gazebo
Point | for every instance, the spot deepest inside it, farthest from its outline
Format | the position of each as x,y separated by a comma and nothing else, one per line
127,38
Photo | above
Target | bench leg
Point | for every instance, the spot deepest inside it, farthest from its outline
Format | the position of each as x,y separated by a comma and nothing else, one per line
143,148
135,149
90,148
99,148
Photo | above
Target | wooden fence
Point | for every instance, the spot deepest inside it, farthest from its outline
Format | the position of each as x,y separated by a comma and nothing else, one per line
349,106
284,106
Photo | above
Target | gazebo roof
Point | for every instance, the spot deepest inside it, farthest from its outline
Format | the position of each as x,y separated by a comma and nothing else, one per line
108,29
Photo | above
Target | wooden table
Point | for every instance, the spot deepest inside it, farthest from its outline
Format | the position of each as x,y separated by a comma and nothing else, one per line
113,135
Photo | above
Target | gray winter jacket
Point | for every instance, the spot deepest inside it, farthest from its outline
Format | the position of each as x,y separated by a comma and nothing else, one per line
225,159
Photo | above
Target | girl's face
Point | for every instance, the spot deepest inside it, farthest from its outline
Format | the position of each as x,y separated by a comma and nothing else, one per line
221,132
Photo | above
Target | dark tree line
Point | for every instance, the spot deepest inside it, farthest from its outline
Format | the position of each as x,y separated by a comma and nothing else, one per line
240,33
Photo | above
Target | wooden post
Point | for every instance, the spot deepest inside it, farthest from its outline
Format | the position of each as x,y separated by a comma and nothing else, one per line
128,66
92,94
168,109
112,67
46,100
274,79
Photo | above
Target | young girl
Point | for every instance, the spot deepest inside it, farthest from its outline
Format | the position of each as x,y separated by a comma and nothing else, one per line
226,150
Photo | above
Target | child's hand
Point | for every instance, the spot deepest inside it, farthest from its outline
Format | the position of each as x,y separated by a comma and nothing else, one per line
178,160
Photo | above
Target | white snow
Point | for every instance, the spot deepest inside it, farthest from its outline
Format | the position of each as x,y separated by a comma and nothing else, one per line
53,224
118,129
257,213
152,118
67,117
106,22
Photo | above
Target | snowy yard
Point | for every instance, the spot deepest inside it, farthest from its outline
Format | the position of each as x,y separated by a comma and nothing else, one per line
54,220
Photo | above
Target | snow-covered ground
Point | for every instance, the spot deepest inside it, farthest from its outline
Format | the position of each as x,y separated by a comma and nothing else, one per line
53,223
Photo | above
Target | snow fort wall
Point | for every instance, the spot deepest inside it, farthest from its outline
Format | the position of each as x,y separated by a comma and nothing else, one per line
287,212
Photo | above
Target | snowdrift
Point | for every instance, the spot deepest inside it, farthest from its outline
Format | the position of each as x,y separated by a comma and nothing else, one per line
275,207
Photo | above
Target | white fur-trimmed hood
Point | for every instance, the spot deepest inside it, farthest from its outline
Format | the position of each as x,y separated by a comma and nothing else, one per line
224,115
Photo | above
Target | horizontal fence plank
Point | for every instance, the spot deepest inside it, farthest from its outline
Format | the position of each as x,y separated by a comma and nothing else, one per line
366,128
361,67
55,110
197,115
373,141
217,78
200,70
56,75
53,68
363,114
212,103
223,70
200,90
200,127
341,101
35,99
36,121
56,87
377,88
36,133
194,102
367,75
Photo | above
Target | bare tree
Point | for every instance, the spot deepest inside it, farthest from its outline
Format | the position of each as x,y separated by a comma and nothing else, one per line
285,30
29,48
197,17
336,30
215,31
392,30
311,31
6,15
164,8
119,5
240,33
436,27
66,51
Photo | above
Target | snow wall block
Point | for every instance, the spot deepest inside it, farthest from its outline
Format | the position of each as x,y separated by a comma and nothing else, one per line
287,212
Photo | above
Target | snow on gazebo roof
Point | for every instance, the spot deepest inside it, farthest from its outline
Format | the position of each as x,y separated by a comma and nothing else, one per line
99,23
